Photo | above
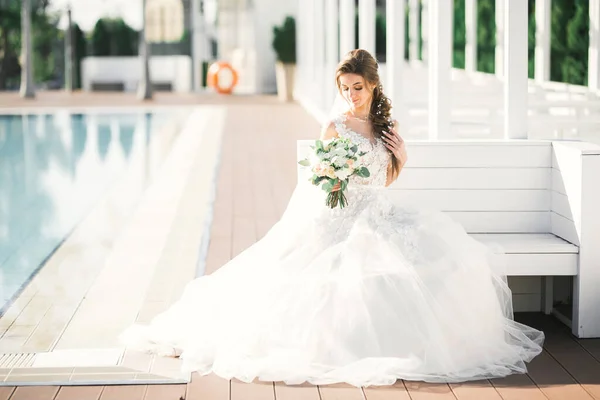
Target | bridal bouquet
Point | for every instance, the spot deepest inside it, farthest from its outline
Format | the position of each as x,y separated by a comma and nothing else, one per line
334,162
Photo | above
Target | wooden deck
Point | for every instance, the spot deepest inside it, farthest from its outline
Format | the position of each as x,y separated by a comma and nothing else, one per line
256,178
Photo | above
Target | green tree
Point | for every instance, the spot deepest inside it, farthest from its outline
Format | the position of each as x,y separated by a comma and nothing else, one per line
574,68
531,39
562,12
10,41
486,36
45,37
124,38
80,52
101,39
460,35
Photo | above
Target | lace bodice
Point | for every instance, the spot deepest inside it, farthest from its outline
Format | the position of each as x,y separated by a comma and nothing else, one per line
377,158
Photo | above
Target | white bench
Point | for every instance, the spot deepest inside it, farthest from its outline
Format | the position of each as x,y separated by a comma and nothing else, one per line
539,199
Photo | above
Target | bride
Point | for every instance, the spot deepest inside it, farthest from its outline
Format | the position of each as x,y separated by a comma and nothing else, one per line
366,295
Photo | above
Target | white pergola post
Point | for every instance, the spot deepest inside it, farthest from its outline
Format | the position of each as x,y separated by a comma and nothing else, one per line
395,55
319,49
424,28
515,70
347,26
26,90
413,30
499,50
440,64
594,47
471,27
198,44
332,51
366,25
542,40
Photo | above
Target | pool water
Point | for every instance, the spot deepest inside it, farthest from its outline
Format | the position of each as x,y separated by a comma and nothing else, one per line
54,168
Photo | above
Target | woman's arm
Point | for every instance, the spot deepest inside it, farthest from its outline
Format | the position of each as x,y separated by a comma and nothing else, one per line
328,131
395,143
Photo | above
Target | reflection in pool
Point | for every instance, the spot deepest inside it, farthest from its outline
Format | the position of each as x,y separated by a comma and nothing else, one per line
54,168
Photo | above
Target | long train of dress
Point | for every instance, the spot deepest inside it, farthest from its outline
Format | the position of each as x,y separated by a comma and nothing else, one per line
364,295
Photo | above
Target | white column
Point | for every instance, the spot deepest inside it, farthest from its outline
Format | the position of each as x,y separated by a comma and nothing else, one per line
310,41
26,90
319,49
471,26
347,27
332,51
395,55
515,70
440,64
542,40
499,17
413,30
594,47
424,28
366,25
198,43
145,83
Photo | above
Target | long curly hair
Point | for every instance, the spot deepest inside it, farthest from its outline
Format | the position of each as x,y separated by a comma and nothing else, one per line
361,62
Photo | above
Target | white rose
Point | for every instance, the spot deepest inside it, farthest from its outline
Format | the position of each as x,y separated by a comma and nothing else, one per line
342,174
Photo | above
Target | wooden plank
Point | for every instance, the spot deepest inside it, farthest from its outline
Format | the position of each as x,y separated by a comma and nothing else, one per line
473,178
470,154
564,228
35,393
479,390
554,380
502,221
340,391
208,387
561,206
428,391
256,390
540,264
79,393
6,392
474,200
557,181
161,392
517,387
473,154
581,365
120,392
397,391
305,391
527,243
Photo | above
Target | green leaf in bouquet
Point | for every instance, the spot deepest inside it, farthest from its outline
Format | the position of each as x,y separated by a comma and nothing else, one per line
354,148
304,163
319,145
327,186
344,184
363,172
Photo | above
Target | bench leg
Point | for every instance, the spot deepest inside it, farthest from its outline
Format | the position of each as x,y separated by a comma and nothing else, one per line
548,294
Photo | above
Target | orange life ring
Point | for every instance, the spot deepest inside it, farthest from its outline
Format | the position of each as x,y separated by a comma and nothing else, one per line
222,77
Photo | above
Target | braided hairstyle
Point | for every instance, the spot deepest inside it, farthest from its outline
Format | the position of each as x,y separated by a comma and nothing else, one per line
361,62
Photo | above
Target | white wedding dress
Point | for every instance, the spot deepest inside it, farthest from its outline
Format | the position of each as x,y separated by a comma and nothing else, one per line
364,295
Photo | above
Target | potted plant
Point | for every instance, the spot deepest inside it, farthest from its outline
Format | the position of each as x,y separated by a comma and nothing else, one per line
284,44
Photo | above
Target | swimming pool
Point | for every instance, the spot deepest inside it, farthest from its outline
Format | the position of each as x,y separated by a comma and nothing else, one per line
55,167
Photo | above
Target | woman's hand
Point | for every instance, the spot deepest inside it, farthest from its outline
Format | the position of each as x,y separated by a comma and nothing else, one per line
395,143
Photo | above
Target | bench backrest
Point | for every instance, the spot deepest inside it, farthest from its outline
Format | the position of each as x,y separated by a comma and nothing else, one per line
505,186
